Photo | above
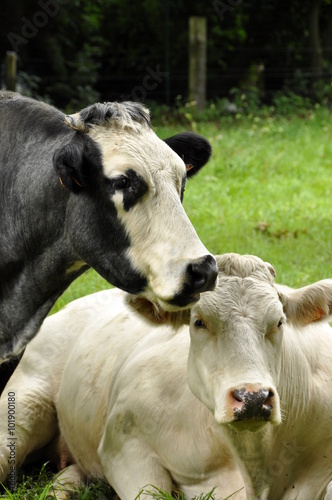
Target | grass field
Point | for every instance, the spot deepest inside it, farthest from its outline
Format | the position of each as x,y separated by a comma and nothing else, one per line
266,191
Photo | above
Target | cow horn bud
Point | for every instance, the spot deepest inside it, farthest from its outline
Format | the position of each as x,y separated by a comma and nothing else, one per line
76,123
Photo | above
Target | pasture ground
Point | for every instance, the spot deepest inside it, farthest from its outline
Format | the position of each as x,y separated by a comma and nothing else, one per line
266,191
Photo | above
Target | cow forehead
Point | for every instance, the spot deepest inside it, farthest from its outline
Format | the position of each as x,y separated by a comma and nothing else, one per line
237,298
140,150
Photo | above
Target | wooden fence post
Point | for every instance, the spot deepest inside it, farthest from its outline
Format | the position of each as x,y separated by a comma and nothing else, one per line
11,70
197,61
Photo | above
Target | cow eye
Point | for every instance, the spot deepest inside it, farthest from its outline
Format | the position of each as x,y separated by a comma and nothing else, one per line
280,323
199,323
119,183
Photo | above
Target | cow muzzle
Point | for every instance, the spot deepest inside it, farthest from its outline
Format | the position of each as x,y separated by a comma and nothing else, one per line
200,276
252,406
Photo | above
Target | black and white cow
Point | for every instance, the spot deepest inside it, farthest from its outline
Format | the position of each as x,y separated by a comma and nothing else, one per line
96,189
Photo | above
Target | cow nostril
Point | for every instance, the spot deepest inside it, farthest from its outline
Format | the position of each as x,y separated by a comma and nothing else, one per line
237,399
268,402
266,395
198,278
263,395
238,395
202,274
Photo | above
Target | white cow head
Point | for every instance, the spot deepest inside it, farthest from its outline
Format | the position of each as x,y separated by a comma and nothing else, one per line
124,215
237,338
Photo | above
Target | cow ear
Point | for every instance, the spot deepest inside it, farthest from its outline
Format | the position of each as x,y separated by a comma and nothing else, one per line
308,304
194,150
77,163
155,314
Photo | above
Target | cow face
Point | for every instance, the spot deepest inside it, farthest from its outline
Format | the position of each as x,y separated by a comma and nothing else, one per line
236,338
237,347
124,215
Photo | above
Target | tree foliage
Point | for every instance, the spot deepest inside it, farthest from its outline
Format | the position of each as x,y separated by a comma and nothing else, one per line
81,51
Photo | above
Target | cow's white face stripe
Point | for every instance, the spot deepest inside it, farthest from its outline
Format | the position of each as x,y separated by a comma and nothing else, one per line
138,151
156,222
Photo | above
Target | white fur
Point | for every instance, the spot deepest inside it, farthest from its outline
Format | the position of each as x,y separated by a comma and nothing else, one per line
289,457
122,401
120,390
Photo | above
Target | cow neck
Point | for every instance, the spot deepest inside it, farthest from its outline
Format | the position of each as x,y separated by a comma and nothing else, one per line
28,293
296,373
250,451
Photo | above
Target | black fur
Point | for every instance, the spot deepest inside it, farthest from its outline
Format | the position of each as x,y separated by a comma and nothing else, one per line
45,229
6,371
78,164
135,190
194,149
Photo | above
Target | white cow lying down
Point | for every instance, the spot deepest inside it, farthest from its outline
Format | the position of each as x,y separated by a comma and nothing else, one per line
119,387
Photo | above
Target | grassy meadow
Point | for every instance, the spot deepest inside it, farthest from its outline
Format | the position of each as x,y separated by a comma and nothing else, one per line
266,191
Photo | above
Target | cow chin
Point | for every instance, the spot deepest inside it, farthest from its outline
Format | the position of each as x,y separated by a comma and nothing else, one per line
226,420
176,303
179,301
157,313
247,425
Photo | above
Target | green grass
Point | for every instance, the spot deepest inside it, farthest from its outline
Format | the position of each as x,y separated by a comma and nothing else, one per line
266,191
33,484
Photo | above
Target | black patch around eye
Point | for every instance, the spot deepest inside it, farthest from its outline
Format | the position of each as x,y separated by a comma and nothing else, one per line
135,191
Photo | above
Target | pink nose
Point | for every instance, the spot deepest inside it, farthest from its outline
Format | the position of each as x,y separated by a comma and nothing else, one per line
251,403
